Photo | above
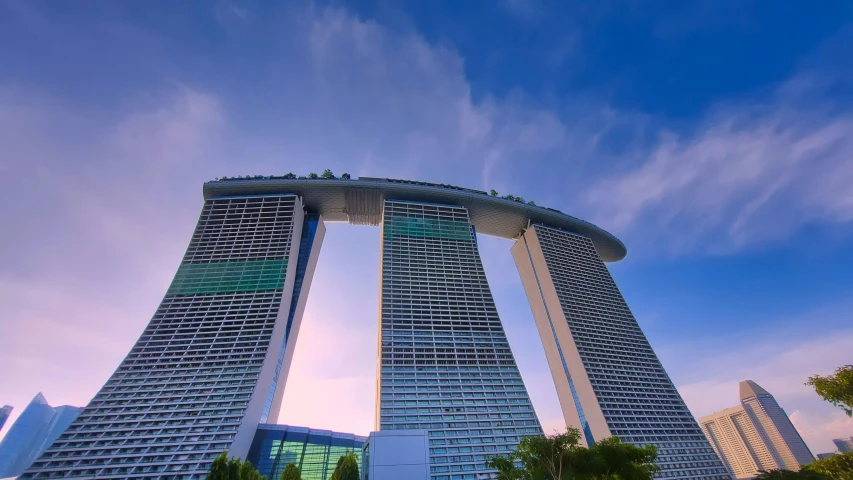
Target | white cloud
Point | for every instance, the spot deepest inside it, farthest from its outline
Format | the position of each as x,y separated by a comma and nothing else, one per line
749,173
817,430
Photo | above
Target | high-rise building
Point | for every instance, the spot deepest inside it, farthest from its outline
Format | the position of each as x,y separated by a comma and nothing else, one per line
445,364
843,445
32,433
212,363
4,415
208,367
609,380
314,452
756,435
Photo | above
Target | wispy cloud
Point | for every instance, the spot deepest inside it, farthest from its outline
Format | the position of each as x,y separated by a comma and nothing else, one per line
747,174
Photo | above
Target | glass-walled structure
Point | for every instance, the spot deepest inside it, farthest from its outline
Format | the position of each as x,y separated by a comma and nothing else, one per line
314,452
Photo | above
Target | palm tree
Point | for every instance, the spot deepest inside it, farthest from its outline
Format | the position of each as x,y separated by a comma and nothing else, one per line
561,457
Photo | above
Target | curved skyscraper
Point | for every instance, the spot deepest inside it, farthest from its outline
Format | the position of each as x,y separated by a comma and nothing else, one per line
212,364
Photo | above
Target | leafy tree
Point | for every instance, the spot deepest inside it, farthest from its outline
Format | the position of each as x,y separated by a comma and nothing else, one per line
836,467
327,174
290,175
531,203
509,197
612,458
347,468
519,199
224,468
221,469
345,176
493,192
561,457
541,458
789,475
836,389
248,472
291,472
313,175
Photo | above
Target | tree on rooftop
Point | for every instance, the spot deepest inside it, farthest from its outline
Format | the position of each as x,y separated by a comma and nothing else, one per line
837,388
313,175
531,203
493,192
345,176
290,175
327,174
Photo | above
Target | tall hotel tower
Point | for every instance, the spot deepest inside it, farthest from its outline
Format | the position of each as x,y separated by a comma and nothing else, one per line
212,361
212,364
609,380
446,365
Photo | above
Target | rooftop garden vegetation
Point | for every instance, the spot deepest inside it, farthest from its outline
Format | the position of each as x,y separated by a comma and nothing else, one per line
328,175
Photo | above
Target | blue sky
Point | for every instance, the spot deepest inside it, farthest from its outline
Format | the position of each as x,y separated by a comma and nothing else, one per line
714,138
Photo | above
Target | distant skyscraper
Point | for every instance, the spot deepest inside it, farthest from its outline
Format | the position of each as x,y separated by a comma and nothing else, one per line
4,414
32,433
609,380
757,435
844,445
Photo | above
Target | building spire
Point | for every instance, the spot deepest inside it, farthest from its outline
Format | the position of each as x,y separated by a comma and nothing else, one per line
749,389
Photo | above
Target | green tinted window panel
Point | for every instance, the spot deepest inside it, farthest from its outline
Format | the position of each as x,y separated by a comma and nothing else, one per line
426,228
228,277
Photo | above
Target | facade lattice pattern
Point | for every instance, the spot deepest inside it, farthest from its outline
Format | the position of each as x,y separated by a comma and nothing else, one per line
446,366
179,397
636,396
